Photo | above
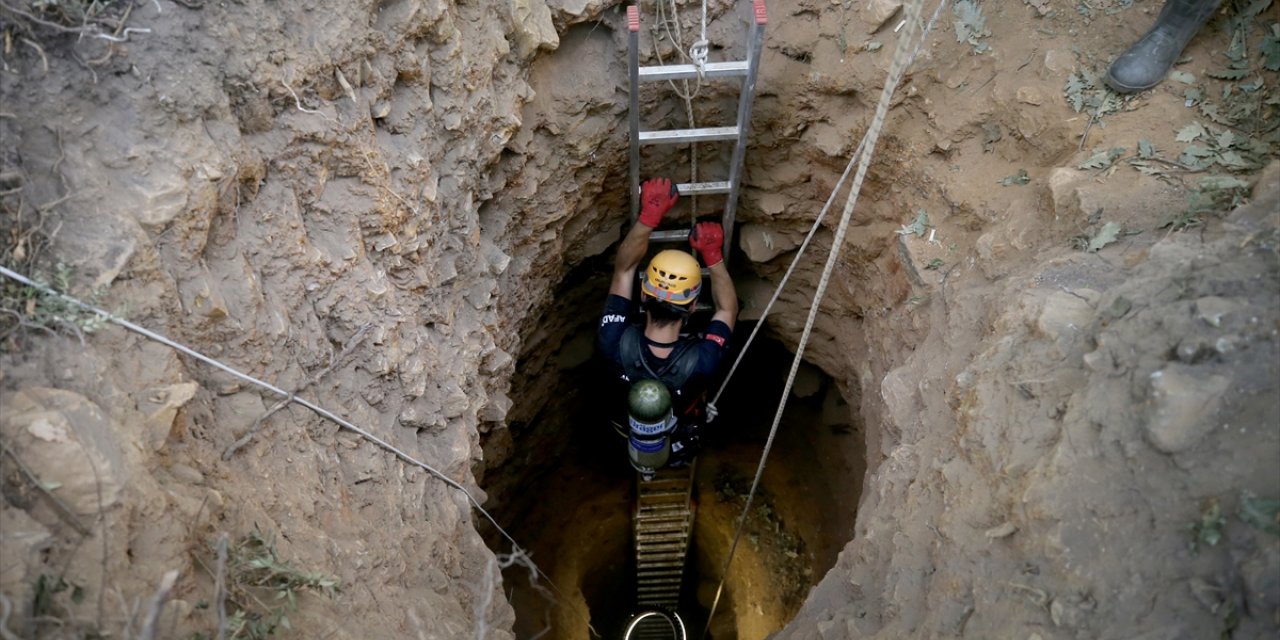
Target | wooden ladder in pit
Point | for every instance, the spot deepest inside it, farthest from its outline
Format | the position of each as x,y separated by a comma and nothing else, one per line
744,69
663,527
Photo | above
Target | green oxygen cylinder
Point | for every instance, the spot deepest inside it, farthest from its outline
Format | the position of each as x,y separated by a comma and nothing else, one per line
651,422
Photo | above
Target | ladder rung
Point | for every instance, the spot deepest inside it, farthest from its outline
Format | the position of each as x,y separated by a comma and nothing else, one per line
662,508
674,579
663,565
646,496
645,557
662,599
734,69
674,499
648,536
646,573
664,491
654,512
667,519
702,134
703,188
672,515
673,235
666,533
660,520
663,496
659,547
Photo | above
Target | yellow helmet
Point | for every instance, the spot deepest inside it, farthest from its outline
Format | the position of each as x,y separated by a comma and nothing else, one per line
673,276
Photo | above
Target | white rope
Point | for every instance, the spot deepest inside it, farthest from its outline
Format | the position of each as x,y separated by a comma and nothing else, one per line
698,50
902,59
712,411
105,315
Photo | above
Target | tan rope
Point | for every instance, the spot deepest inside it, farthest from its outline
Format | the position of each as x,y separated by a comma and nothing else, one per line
687,95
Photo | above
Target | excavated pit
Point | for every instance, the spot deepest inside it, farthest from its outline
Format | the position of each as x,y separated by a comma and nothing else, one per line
1060,391
569,491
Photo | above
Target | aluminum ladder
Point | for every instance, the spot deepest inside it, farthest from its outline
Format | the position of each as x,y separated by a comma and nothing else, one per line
663,527
745,69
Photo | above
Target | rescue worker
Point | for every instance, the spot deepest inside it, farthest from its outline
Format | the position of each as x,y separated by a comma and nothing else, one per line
657,348
1147,62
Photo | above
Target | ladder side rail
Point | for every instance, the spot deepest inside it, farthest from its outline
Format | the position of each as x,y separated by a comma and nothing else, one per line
755,44
633,26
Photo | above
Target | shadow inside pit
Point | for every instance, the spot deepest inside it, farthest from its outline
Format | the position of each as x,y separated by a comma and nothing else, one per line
574,513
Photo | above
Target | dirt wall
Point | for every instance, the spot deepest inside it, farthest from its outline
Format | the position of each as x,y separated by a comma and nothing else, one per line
398,199
295,190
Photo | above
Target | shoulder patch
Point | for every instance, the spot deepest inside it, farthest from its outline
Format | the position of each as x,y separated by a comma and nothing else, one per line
716,339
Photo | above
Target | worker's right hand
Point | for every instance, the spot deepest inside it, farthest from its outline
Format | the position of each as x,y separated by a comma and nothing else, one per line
707,238
657,196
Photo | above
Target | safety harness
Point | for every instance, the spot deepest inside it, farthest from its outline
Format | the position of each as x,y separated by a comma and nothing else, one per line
674,373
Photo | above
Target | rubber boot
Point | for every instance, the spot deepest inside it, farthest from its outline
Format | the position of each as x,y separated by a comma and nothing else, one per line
1145,64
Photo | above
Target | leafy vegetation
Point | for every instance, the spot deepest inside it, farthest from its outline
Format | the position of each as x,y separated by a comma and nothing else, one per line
47,587
1208,529
1102,158
918,226
1214,194
263,589
1105,236
1260,512
1244,101
1221,147
971,25
1019,178
1086,92
24,308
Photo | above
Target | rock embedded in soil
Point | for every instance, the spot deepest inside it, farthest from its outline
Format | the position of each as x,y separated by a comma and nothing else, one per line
1184,402
875,13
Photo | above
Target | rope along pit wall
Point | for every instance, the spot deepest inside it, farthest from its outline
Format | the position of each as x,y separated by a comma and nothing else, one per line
903,57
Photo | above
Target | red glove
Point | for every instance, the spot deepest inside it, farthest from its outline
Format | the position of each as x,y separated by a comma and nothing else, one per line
657,196
707,238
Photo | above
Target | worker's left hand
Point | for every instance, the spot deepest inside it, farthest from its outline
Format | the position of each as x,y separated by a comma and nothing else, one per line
707,238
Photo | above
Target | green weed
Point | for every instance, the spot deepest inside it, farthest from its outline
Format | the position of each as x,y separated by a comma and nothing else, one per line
1208,529
26,308
263,589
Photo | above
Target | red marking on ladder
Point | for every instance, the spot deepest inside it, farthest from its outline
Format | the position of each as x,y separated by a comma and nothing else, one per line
633,17
761,16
